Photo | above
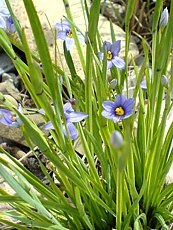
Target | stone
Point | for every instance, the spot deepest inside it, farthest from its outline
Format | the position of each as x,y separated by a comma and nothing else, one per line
8,88
16,134
6,65
11,100
52,13
113,11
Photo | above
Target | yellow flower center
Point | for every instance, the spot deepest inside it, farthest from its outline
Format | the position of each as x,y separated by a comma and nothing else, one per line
14,118
109,55
69,34
119,111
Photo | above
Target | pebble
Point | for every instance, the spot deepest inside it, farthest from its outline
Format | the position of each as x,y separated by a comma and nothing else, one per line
6,65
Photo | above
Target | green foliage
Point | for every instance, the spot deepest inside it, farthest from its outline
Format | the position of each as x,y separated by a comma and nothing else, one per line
112,188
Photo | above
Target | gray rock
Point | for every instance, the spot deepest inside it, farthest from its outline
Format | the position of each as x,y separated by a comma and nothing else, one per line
16,134
113,11
54,12
7,88
6,65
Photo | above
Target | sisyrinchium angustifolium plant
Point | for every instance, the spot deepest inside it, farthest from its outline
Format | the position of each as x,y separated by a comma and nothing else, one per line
126,141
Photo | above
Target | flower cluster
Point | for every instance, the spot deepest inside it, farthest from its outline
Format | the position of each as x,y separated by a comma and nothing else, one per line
6,21
65,33
71,117
120,109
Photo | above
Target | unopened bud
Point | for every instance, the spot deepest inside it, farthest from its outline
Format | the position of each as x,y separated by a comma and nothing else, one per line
164,18
72,101
164,81
116,139
113,83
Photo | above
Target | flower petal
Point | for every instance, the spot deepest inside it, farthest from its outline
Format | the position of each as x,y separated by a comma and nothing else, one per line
143,84
129,104
81,38
61,35
108,46
115,48
4,12
68,108
109,64
69,42
100,56
72,130
10,25
120,100
62,25
108,105
76,116
6,117
108,115
117,119
48,126
119,63
41,111
2,23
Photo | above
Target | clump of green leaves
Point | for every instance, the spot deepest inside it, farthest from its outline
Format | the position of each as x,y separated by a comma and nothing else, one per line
120,187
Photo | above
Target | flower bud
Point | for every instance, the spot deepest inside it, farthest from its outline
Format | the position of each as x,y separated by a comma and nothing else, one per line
116,140
113,83
164,81
164,18
72,101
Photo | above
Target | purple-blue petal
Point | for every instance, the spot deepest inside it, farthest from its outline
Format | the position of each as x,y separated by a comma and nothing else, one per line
100,56
108,105
109,64
129,104
117,119
120,100
76,116
68,108
48,126
115,48
81,38
62,25
41,111
107,45
119,63
108,115
62,35
71,129
143,84
69,42
6,117
4,12
10,25
2,23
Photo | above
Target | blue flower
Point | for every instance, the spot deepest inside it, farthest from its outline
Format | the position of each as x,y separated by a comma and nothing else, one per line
6,21
119,109
9,118
71,117
112,52
65,34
